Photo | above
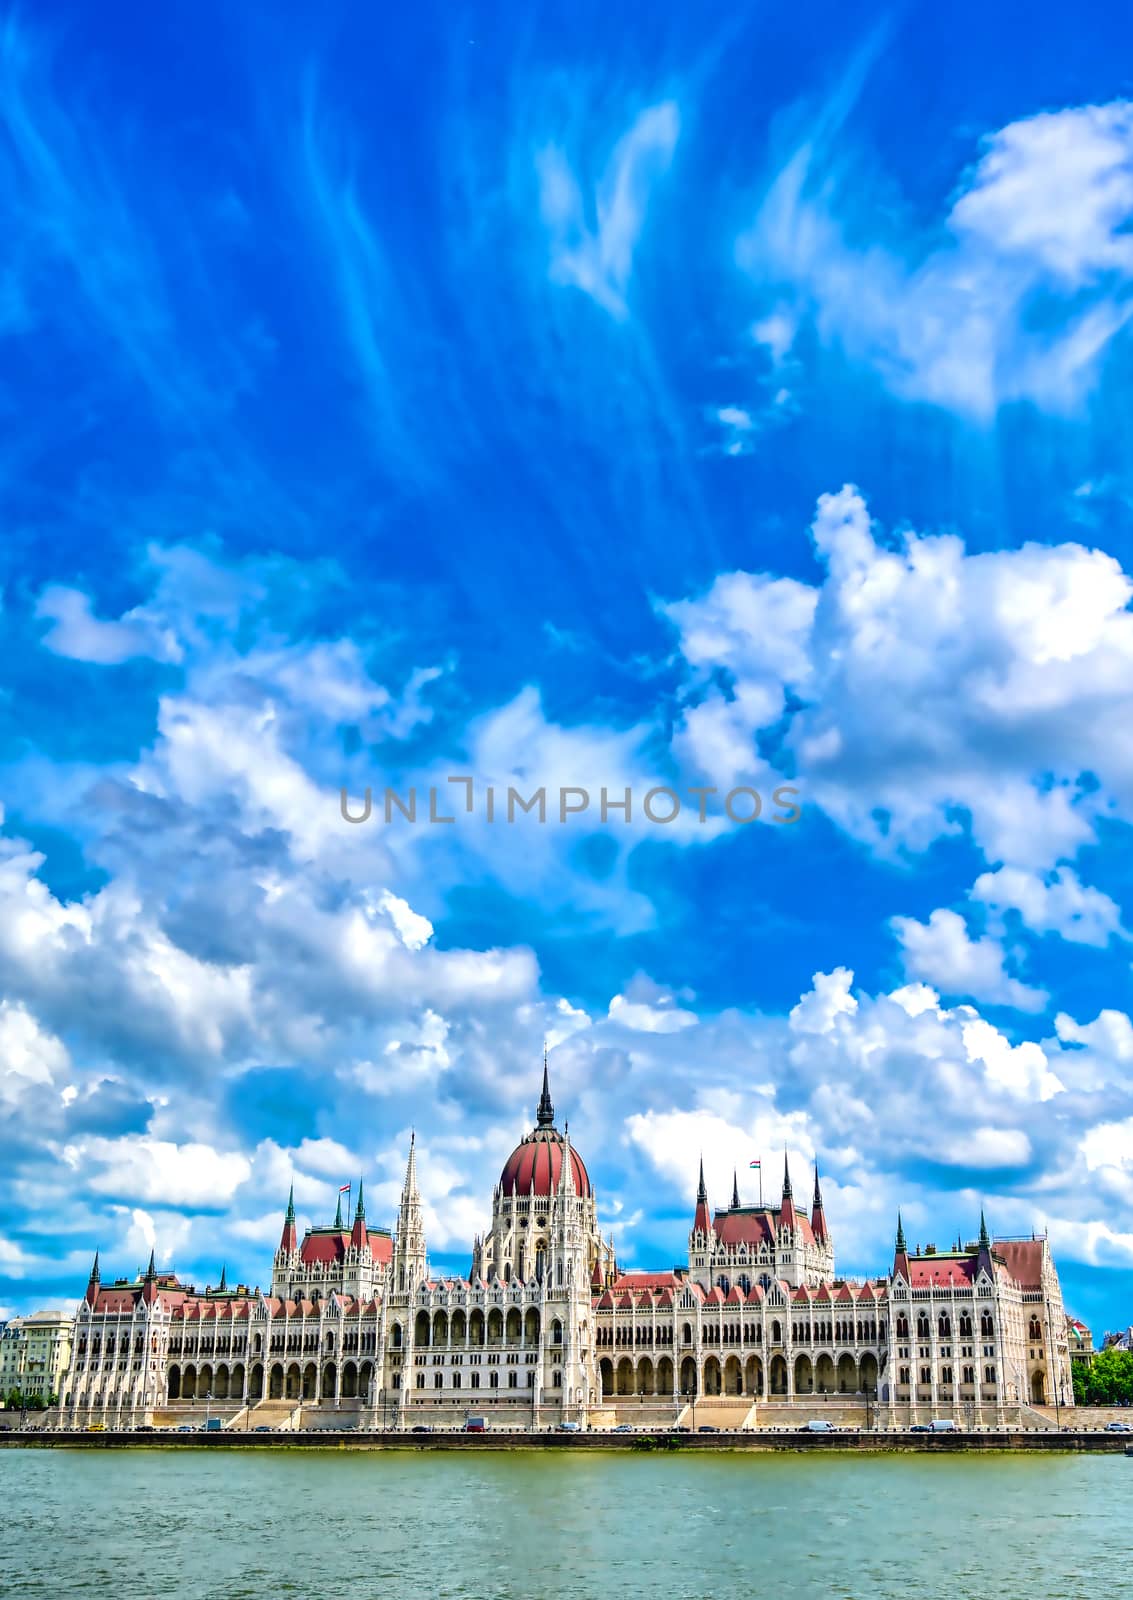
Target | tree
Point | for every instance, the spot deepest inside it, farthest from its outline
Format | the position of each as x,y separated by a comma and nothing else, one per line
1107,1381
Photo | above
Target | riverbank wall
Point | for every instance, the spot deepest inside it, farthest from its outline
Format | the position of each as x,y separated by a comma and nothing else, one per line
857,1441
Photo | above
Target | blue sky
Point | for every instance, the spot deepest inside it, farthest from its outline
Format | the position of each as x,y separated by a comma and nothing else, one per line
564,397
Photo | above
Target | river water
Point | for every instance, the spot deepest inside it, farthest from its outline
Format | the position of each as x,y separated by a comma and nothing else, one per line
523,1525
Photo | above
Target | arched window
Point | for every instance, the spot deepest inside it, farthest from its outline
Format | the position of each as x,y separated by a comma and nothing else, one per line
1034,1331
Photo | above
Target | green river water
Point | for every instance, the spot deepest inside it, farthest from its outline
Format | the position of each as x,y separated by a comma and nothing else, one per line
151,1523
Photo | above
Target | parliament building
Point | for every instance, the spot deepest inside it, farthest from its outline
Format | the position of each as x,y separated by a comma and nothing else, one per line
757,1330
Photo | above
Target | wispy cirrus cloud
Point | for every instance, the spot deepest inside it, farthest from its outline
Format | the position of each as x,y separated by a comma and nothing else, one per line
594,236
1016,294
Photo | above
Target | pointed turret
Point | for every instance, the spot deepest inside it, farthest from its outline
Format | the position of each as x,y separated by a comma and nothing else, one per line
901,1253
735,1190
149,1282
224,1277
787,1217
338,1212
545,1115
817,1214
93,1282
359,1238
984,1262
409,1244
701,1222
566,1171
289,1239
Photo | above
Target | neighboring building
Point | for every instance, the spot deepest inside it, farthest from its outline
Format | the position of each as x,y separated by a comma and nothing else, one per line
1119,1341
547,1328
11,1357
1081,1344
46,1338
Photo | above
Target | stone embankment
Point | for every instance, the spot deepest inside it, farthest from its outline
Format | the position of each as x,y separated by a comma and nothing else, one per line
322,1439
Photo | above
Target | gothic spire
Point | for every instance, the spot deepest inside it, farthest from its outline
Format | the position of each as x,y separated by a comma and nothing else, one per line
338,1213
902,1248
151,1270
701,1191
985,1238
224,1277
787,1190
545,1116
817,1214
360,1208
735,1190
94,1275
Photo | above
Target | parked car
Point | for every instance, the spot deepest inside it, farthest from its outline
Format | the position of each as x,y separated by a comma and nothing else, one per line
570,1427
262,1427
623,1427
818,1425
476,1425
706,1427
186,1427
920,1427
145,1427
421,1427
1118,1427
96,1427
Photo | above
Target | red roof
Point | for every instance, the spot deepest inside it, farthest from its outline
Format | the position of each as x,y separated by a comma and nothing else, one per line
755,1226
942,1271
536,1162
326,1245
646,1280
1023,1259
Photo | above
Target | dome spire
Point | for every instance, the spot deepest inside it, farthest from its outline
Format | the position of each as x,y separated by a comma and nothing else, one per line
545,1116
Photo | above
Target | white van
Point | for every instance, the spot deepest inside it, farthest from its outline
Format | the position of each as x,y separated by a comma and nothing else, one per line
942,1425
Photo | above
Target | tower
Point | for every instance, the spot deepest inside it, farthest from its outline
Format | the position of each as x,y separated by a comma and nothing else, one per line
409,1244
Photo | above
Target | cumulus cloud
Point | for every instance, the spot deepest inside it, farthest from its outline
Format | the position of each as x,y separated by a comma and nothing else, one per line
1054,902
930,687
942,953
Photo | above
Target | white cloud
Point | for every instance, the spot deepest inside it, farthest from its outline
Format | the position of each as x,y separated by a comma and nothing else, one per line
941,952
599,259
663,1017
139,1168
936,690
78,633
28,1054
412,929
1040,222
1057,902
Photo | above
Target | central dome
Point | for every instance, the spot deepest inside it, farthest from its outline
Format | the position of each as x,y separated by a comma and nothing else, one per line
535,1165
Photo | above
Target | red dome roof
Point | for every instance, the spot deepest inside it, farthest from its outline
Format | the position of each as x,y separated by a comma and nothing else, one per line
535,1165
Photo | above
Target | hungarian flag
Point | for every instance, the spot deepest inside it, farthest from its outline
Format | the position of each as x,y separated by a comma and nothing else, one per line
345,1189
756,1164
